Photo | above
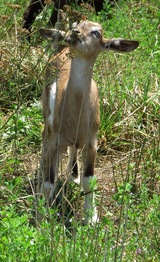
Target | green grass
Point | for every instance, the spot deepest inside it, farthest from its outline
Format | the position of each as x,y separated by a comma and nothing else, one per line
128,145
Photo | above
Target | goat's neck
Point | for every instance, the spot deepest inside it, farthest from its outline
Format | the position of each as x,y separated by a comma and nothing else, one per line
81,74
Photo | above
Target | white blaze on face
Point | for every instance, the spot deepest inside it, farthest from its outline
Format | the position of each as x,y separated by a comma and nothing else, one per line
52,100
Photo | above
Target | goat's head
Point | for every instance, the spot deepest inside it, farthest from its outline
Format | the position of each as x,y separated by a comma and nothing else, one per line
86,40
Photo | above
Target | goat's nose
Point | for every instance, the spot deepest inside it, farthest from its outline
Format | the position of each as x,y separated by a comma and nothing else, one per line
75,32
73,37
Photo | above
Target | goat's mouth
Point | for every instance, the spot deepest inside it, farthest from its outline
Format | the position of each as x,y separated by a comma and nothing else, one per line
73,38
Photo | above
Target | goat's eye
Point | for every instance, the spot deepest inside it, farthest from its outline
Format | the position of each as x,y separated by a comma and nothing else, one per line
96,33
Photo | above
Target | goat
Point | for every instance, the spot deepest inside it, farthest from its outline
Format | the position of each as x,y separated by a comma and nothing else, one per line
36,6
71,105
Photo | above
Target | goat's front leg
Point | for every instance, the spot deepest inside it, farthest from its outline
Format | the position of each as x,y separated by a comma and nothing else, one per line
73,164
89,154
49,169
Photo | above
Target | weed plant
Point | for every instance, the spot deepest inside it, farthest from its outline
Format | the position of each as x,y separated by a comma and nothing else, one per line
128,162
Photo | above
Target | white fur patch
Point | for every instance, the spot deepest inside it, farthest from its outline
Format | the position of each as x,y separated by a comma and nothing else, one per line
90,210
117,42
86,184
76,180
52,100
47,189
96,28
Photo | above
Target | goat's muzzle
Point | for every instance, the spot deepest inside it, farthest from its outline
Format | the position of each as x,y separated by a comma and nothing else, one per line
73,37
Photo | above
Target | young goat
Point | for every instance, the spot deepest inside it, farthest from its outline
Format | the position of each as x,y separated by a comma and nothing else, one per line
71,105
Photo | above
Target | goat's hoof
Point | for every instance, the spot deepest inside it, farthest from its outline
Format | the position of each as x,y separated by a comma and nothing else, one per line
91,220
76,180
47,189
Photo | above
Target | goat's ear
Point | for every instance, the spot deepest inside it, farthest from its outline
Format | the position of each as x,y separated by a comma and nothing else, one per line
53,34
119,45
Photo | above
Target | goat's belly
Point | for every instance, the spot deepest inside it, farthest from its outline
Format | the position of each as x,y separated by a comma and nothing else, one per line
74,135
